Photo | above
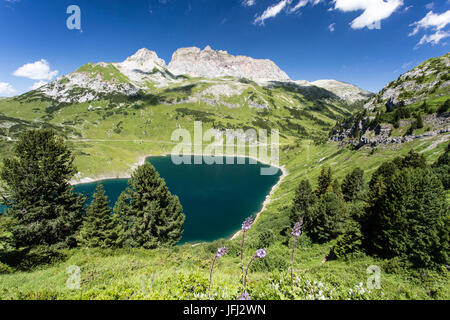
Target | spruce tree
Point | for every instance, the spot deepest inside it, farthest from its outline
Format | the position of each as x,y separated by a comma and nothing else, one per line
150,215
353,184
99,228
336,188
442,168
411,160
419,121
40,198
324,181
327,219
303,201
410,219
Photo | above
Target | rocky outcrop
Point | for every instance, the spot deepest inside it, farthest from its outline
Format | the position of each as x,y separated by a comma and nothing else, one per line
210,63
145,65
79,87
431,78
360,133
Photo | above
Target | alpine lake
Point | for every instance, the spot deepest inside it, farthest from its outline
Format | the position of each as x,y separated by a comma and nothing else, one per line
216,198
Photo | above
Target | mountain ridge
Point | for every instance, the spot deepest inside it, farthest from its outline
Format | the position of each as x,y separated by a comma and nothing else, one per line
144,71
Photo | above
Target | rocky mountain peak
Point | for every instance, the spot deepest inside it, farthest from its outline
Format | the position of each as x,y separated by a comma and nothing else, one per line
144,60
211,63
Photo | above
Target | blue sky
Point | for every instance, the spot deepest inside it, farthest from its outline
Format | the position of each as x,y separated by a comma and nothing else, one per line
364,42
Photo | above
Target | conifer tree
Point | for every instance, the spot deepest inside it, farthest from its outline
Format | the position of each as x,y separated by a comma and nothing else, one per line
303,201
410,219
40,198
324,181
442,168
99,228
336,188
353,184
327,219
150,215
419,121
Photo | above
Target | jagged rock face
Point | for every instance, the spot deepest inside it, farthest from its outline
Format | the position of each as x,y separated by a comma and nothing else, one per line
145,65
144,60
415,85
210,63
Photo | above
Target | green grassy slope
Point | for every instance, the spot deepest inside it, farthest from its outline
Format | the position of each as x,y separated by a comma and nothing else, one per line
109,140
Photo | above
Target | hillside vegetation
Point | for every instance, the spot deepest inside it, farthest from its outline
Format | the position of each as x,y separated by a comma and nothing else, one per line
112,131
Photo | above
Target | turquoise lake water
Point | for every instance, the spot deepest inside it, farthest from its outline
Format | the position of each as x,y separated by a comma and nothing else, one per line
215,198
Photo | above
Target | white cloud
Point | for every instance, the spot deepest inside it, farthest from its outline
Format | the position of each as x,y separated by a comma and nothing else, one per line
248,3
6,88
430,5
38,84
407,8
434,21
39,70
271,11
434,38
331,27
303,3
373,10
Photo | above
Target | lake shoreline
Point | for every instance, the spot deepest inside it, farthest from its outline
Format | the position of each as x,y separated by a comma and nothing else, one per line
142,160
268,198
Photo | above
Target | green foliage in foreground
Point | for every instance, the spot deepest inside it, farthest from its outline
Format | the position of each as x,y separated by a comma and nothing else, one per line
100,228
408,214
38,193
182,273
148,213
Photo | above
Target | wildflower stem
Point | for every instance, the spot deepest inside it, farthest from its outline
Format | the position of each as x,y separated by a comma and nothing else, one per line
246,271
294,240
210,275
242,254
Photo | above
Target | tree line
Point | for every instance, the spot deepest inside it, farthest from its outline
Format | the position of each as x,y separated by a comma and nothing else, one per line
402,212
43,210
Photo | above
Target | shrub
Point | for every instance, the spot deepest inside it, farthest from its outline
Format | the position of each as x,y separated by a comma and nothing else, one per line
5,269
348,243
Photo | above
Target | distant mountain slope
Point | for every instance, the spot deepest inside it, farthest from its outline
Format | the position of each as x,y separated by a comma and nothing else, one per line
343,90
145,73
416,105
141,99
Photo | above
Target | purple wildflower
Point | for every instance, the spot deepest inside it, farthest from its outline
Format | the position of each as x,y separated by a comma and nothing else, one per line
221,252
297,230
244,296
247,224
261,253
